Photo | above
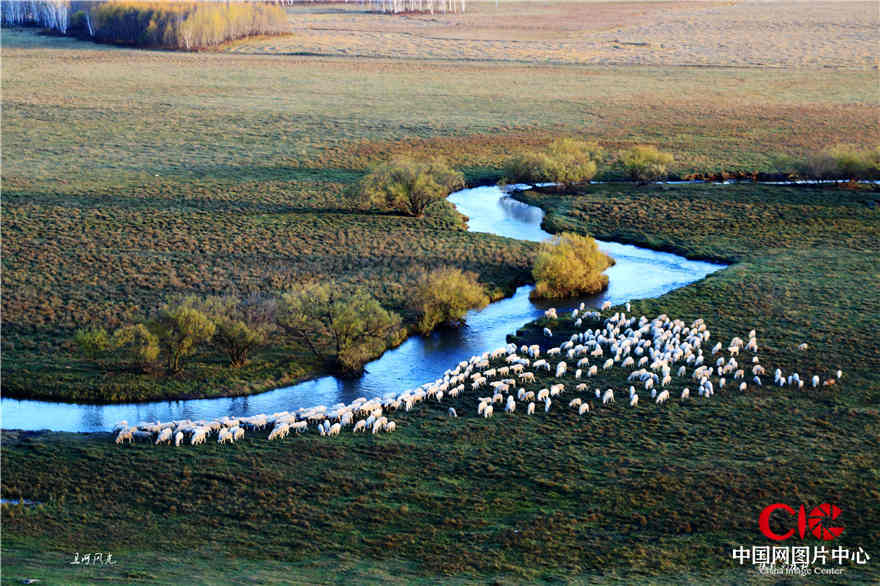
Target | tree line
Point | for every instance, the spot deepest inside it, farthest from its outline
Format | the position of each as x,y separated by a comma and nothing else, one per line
168,25
343,330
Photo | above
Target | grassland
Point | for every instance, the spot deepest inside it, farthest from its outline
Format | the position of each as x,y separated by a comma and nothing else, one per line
628,495
130,176
206,173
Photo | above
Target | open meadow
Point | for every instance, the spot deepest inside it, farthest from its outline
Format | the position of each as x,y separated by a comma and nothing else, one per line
132,176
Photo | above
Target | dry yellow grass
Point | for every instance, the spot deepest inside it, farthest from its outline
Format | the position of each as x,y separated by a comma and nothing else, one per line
764,34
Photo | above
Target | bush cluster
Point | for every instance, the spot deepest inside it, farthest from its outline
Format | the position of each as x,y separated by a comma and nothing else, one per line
569,264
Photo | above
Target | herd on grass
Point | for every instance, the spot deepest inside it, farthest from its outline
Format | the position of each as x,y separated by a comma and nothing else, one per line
655,352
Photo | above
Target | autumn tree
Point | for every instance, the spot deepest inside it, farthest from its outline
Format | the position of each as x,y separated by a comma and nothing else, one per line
136,345
645,163
445,295
180,328
241,326
569,264
344,331
410,186
565,162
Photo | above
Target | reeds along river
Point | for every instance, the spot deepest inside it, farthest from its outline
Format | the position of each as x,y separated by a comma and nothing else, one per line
638,273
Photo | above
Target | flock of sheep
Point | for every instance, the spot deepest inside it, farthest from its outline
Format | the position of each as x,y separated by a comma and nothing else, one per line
654,351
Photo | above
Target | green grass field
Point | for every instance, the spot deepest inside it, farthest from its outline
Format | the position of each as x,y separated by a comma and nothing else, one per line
133,176
221,173
629,495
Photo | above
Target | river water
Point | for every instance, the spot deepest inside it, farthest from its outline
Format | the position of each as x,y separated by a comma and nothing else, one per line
639,273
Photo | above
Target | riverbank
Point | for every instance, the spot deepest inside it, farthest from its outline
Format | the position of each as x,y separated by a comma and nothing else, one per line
642,494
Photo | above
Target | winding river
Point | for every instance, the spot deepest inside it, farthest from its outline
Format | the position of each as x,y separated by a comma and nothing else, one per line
639,273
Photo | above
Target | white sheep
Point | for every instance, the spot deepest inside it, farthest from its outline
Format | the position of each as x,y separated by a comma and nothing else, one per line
743,386
530,409
608,397
390,426
488,411
335,429
547,404
452,412
511,405
361,425
547,332
178,439
584,407
685,393
634,400
574,403
164,436
662,397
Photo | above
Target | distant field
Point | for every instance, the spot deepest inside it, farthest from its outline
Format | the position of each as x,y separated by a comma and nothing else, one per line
744,34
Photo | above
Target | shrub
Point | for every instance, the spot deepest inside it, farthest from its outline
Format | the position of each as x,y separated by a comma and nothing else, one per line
344,331
842,162
410,186
136,345
565,162
241,326
93,343
180,328
569,264
645,163
445,295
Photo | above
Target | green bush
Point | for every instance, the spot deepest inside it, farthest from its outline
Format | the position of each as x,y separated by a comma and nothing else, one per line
445,295
842,162
241,326
136,345
569,264
344,331
565,162
180,328
93,343
409,186
645,163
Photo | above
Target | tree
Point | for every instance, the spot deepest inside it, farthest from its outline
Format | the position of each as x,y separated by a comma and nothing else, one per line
645,163
93,343
569,264
410,186
342,331
137,345
241,326
180,328
445,295
565,162
842,162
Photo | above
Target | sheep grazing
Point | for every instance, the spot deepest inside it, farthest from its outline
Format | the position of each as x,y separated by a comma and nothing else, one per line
574,403
685,393
452,412
550,313
743,386
606,305
122,425
803,347
634,400
224,436
608,397
584,408
662,397
164,436
278,432
581,387
547,404
362,425
530,409
335,429
488,411
390,426
511,405
560,369
548,333
178,439
608,364
124,435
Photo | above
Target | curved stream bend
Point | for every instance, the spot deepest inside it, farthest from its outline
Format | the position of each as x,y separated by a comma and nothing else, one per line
639,273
